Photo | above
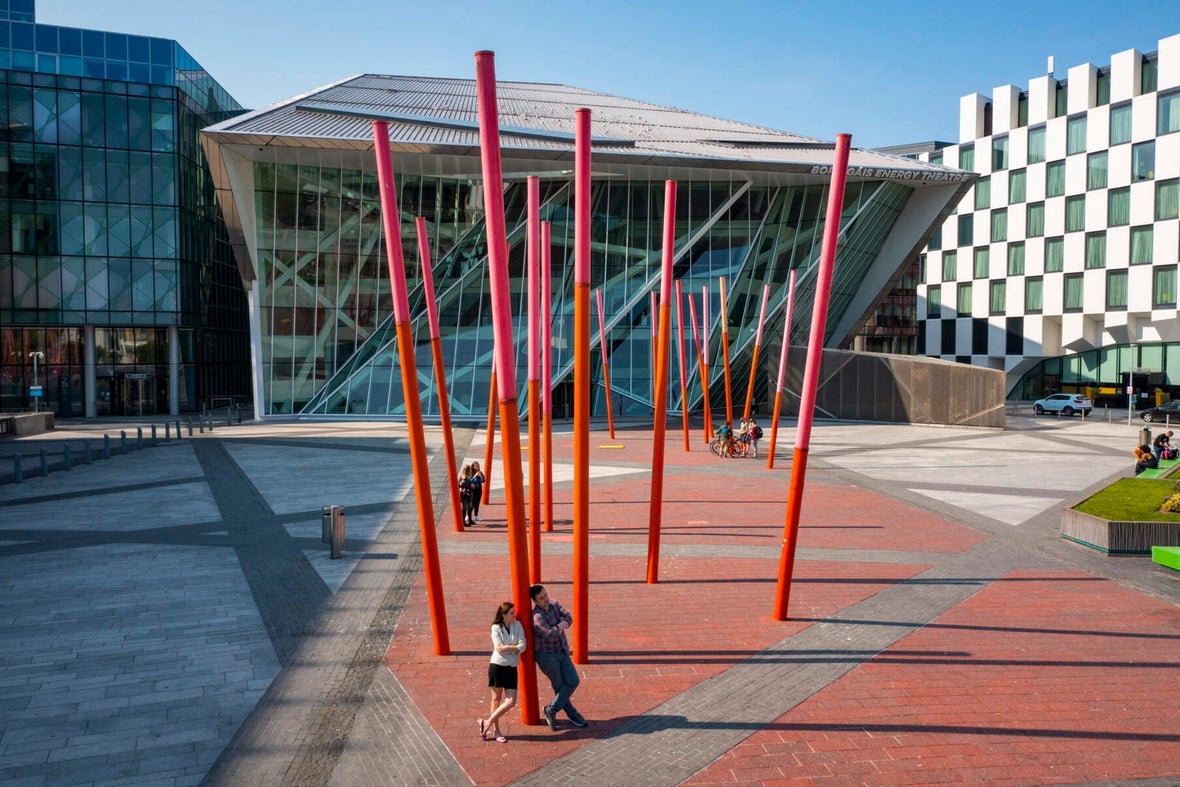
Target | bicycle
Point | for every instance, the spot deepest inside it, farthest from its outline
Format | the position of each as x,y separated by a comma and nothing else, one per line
735,449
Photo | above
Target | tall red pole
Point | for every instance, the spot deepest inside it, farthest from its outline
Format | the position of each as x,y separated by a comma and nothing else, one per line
410,392
702,368
489,147
782,372
534,318
725,353
815,349
547,367
705,356
655,310
444,403
661,387
757,347
610,418
683,367
486,496
581,585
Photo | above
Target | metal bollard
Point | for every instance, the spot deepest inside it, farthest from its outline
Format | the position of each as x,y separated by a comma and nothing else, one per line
190,426
106,446
178,429
44,464
122,441
86,451
326,525
201,425
139,438
153,434
239,414
65,456
337,545
17,470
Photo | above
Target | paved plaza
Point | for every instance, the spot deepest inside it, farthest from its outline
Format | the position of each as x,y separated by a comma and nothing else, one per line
172,617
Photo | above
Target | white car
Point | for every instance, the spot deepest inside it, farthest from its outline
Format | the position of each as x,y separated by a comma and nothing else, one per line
1066,404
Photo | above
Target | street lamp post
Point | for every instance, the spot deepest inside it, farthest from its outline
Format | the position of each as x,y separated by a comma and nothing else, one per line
36,356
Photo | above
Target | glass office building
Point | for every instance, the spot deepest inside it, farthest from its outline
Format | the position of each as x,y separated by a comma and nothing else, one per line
115,269
298,185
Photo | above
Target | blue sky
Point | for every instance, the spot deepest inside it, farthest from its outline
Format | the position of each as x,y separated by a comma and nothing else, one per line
888,73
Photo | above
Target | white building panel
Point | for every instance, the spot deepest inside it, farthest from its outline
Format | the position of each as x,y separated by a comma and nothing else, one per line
1169,62
1053,294
1083,85
1118,247
1143,111
963,336
1167,240
1035,182
1118,165
1142,202
1018,146
1054,216
1075,174
971,116
1034,256
997,336
1139,283
1167,157
1041,98
1124,75
1055,139
1075,252
1094,292
1095,210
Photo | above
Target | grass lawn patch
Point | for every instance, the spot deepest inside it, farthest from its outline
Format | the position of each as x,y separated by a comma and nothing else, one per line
1132,500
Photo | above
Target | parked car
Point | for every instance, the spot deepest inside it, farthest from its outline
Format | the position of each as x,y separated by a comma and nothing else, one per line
1066,404
1168,411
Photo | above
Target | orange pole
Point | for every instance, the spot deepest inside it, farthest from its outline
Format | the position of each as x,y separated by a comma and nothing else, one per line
702,368
661,387
547,369
705,356
410,392
581,583
782,371
655,312
610,417
489,144
534,319
815,348
444,403
486,496
757,346
683,367
725,353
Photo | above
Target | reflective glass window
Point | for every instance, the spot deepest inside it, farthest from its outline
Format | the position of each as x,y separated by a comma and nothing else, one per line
1143,161
1168,113
1167,199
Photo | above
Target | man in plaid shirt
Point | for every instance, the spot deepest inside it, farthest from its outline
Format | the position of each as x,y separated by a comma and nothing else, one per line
552,653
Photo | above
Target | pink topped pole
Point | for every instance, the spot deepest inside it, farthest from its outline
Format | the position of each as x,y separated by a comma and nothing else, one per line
661,387
702,369
655,310
815,348
444,404
683,368
534,295
757,347
547,367
581,567
705,351
410,392
489,146
610,418
782,372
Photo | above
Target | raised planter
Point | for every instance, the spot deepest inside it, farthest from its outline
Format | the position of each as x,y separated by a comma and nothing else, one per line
27,423
1118,538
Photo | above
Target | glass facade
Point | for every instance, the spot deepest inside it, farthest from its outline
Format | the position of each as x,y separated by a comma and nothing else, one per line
111,226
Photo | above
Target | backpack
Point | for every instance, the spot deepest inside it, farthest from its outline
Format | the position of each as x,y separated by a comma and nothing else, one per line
756,432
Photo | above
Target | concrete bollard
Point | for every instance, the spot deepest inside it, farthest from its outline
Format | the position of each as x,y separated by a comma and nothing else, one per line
337,545
65,456
86,451
106,446
153,435
200,425
122,441
167,433
178,429
326,525
190,426
17,470
44,463
139,438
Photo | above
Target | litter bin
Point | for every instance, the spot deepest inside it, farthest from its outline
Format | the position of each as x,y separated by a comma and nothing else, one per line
336,548
1145,436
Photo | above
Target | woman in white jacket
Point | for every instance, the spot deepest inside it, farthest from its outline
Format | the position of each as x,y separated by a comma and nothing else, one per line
508,643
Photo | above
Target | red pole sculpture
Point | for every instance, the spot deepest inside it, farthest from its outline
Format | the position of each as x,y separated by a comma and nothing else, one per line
405,350
491,441
683,368
581,584
655,307
547,368
815,348
725,353
444,404
702,368
610,418
782,372
489,146
534,317
661,387
757,347
705,354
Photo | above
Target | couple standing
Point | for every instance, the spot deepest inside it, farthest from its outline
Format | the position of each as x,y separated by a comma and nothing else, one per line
552,654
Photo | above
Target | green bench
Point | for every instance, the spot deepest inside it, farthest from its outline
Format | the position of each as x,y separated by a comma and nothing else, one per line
1162,471
1169,557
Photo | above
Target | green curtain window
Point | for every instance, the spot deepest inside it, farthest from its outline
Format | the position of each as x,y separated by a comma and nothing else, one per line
1116,290
1164,287
997,295
950,265
1096,250
1118,207
1073,292
1102,97
1035,224
1017,185
1075,135
1075,214
1142,243
1033,293
983,193
936,158
982,262
935,240
1167,199
1054,255
934,302
1120,125
967,158
963,304
1168,114
999,225
1016,259
999,153
1055,179
1149,76
1022,110
1143,161
966,230
1036,145
1096,171
1060,100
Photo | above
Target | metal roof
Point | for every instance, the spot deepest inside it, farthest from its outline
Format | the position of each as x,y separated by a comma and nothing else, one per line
437,114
